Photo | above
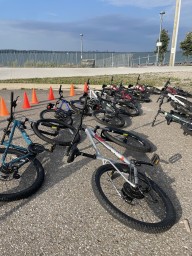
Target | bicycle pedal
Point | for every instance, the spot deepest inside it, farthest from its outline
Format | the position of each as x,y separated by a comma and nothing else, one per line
36,148
155,159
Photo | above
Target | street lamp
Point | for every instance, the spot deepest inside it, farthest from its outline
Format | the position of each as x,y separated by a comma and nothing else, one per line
159,43
81,35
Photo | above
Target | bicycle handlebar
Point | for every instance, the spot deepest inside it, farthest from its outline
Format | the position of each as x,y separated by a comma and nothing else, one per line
138,78
60,92
166,84
13,104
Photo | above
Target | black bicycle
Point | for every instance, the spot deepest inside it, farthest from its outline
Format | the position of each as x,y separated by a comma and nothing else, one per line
103,110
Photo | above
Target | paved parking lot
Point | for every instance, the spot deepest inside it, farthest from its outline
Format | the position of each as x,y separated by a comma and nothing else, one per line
65,218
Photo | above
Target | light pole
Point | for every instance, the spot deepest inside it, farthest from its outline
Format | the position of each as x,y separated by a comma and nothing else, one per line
175,33
159,43
81,35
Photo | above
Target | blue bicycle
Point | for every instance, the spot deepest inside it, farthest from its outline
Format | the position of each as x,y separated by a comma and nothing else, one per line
21,173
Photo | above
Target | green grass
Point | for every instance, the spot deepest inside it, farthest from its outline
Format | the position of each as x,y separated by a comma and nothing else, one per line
154,79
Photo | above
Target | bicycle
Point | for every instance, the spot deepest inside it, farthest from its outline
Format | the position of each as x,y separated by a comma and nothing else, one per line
103,110
126,106
175,90
21,173
122,189
175,116
180,103
61,110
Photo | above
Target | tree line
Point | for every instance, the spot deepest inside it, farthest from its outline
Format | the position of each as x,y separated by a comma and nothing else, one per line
185,45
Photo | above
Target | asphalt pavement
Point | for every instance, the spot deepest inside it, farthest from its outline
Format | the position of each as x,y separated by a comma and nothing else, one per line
65,218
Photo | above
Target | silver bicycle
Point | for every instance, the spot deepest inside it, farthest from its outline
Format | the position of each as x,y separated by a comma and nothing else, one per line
126,193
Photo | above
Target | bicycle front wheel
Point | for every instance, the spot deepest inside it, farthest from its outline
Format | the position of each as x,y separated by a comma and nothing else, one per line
55,132
147,209
56,114
127,139
27,181
108,119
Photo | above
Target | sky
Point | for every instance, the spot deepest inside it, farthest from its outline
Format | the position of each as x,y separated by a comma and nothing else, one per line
106,25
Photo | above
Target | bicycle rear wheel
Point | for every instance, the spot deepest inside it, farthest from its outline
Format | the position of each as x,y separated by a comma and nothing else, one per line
108,119
146,209
27,181
55,132
127,139
56,114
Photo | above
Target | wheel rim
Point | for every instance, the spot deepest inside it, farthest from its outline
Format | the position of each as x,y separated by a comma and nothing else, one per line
16,182
56,131
109,119
150,209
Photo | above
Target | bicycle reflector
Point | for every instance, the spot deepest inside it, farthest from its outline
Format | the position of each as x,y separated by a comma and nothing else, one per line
155,159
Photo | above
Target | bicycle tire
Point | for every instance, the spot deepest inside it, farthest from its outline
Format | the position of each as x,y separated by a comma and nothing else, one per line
129,215
55,131
127,139
128,109
56,114
154,90
77,107
34,169
103,117
187,128
141,97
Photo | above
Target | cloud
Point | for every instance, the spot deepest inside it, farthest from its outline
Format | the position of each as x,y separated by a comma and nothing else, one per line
148,4
114,32
108,32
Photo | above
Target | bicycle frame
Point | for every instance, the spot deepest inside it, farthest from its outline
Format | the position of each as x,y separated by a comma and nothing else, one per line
8,144
63,102
171,116
176,99
175,118
73,152
93,135
105,103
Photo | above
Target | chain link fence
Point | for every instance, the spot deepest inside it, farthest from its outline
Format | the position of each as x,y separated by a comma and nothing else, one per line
13,58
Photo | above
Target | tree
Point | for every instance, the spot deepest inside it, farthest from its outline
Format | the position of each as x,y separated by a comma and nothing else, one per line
186,45
165,43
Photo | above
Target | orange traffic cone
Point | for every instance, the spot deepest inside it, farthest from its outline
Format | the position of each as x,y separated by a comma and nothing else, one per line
72,90
34,97
25,101
3,108
86,87
51,95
